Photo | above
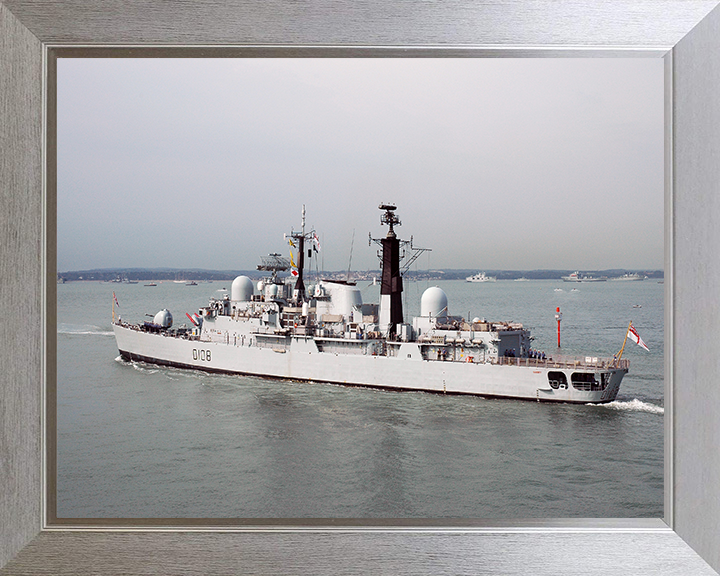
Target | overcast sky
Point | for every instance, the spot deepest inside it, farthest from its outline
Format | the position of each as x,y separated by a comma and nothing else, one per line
493,163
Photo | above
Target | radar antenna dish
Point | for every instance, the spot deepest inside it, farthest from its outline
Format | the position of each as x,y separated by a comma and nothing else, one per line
389,218
273,263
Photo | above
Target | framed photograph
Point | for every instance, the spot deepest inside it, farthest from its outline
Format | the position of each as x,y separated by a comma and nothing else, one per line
684,539
490,161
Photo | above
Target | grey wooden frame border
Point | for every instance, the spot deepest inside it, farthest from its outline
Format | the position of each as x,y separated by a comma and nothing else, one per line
687,32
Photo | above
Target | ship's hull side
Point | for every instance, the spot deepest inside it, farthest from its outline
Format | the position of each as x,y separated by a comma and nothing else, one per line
301,359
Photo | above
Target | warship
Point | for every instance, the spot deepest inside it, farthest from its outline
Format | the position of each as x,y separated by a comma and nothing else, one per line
280,328
579,277
480,277
628,277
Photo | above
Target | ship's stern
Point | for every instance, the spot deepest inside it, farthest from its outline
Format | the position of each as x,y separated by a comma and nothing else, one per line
583,386
615,379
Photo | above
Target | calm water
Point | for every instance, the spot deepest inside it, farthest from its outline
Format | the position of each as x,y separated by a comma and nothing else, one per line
141,441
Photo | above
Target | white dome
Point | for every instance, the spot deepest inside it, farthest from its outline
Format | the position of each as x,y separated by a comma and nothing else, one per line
163,318
241,289
434,303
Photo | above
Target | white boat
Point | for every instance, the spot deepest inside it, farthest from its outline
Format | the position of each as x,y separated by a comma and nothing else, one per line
280,329
480,277
635,277
574,277
579,277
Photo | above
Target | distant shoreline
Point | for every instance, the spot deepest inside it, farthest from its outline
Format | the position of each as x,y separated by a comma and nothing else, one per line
166,275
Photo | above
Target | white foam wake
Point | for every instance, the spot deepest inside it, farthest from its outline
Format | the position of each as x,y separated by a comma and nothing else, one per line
139,366
83,330
635,405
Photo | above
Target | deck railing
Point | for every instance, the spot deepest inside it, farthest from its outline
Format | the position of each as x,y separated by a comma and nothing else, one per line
565,362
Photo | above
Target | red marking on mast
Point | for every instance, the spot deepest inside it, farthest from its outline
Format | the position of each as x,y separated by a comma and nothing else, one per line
558,317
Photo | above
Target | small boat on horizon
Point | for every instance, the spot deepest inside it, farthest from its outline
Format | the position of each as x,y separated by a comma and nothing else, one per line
580,277
629,277
480,277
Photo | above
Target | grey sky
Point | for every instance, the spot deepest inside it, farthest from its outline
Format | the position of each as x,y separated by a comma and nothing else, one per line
493,163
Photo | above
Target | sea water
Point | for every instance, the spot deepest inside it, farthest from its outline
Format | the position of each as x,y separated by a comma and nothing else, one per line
141,441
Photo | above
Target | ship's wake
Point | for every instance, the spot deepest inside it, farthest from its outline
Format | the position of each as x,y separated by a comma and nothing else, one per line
139,366
83,330
634,405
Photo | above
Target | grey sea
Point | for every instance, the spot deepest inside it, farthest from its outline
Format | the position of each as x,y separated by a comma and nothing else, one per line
141,441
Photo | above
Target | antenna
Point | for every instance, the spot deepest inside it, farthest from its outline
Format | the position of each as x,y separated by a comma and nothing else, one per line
352,243
389,218
298,240
273,263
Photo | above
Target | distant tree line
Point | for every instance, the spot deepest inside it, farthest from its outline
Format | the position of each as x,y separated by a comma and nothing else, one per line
141,274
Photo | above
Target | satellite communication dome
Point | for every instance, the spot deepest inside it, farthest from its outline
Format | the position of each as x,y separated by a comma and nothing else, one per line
434,303
163,318
241,289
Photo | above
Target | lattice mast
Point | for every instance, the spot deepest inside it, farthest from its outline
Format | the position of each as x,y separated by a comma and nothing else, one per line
298,240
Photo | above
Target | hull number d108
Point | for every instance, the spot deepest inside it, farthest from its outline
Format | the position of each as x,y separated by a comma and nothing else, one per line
203,355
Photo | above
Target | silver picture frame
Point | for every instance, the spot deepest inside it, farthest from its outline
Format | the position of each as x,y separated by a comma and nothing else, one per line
686,33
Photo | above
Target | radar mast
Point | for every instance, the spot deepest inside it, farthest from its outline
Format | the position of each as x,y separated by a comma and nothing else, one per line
391,286
297,240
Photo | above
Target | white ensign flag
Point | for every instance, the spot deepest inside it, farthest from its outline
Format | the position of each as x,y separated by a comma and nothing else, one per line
635,337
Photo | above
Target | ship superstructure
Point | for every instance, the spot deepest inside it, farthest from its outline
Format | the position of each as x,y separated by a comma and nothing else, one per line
324,332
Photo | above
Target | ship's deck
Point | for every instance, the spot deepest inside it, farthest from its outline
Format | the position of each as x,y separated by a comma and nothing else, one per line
585,362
